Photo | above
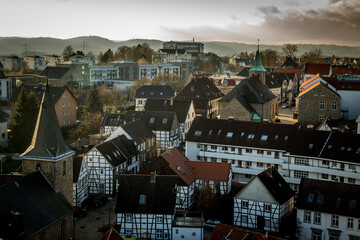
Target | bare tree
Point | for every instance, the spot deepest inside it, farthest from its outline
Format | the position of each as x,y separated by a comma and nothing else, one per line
313,56
289,50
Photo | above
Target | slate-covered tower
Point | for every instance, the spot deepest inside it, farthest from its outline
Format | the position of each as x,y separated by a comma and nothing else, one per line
48,152
257,69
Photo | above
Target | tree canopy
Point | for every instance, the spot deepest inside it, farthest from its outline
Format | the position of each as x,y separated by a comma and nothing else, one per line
93,102
313,56
68,52
289,50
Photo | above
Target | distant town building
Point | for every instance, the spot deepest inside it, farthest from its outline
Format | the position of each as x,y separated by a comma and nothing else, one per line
193,48
152,92
128,70
52,60
104,74
170,55
35,62
151,71
12,63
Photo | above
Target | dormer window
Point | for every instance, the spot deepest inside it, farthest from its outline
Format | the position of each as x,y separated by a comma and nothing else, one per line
229,134
164,120
152,120
198,133
264,137
251,136
311,146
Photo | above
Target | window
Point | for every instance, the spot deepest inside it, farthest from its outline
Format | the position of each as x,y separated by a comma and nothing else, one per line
198,133
334,221
260,152
322,94
244,204
193,234
128,218
351,180
324,176
267,207
213,159
301,161
317,218
159,219
128,232
316,235
68,104
307,216
260,164
63,105
177,231
333,106
324,162
164,120
152,120
248,150
244,219
63,113
251,136
224,148
142,199
213,147
264,137
322,105
68,113
300,174
229,134
159,234
321,118
350,223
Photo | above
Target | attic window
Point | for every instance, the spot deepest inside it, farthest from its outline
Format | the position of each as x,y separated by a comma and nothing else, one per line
353,204
310,198
152,120
320,199
161,93
264,137
152,93
198,133
108,157
219,132
242,134
349,149
342,148
164,120
180,170
192,88
142,199
276,136
311,146
358,150
229,134
251,136
330,146
210,132
165,102
286,138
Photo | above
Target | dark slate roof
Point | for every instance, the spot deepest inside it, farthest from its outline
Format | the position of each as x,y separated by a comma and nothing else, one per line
244,72
113,119
270,82
252,89
138,131
281,77
47,142
328,145
276,185
180,107
55,72
150,91
39,202
158,124
117,150
77,160
201,87
56,92
160,195
214,131
2,75
173,51
5,178
289,63
329,197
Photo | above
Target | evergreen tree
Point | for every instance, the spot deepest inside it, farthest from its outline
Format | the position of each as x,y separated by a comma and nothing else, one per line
24,120
93,102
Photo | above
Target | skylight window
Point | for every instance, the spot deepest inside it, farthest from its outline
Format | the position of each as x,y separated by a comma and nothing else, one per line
353,204
192,88
242,134
310,198
152,93
320,199
358,150
311,146
219,132
180,170
342,148
251,136
142,199
164,120
210,132
264,137
198,133
152,120
229,134
330,146
276,136
286,138
349,149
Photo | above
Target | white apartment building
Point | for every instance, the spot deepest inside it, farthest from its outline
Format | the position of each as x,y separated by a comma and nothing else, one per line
251,147
104,74
35,62
151,71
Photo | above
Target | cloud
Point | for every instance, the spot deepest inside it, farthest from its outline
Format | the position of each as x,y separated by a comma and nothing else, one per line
269,10
334,1
292,3
332,24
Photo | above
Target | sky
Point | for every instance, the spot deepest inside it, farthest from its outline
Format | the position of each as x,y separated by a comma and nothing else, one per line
271,21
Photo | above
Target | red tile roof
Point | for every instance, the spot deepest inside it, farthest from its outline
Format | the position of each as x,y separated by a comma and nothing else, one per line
315,68
297,71
111,235
177,160
210,170
343,85
345,71
231,233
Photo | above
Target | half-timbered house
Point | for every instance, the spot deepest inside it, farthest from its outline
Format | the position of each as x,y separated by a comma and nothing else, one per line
144,139
81,181
145,206
152,92
173,162
107,160
263,202
164,125
111,122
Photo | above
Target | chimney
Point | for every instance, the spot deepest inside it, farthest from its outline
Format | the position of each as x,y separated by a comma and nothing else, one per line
153,177
158,152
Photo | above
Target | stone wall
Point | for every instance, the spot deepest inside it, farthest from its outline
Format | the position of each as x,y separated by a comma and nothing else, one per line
53,232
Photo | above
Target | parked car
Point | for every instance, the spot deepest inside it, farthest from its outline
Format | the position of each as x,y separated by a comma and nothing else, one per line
211,223
79,212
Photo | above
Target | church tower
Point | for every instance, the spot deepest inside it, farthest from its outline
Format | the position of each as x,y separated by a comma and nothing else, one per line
257,69
48,152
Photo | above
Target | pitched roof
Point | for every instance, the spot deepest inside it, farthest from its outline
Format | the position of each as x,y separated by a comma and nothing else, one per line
47,142
343,84
171,162
270,81
159,195
55,72
201,87
297,71
315,68
111,234
112,119
244,72
244,133
223,231
257,65
117,150
327,145
138,131
276,185
210,170
36,198
252,89
311,81
345,71
180,107
329,197
159,121
56,92
310,87
289,63
150,91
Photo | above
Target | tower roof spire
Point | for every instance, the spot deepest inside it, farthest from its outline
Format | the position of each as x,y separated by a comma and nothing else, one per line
47,142
257,66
